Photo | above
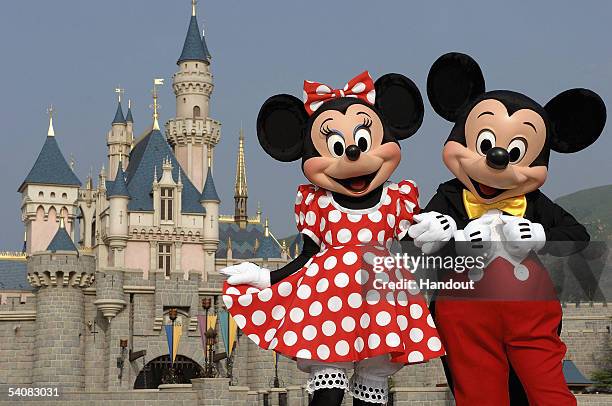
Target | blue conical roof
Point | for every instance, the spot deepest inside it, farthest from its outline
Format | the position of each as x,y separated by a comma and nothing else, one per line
209,192
61,241
194,48
119,185
129,117
119,119
51,167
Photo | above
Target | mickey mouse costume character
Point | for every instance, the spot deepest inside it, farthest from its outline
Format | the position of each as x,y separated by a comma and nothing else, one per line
498,150
321,308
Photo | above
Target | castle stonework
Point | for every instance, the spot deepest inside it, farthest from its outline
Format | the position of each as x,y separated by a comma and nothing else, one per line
83,308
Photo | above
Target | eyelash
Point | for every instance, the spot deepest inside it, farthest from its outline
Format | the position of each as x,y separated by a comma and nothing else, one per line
367,123
326,131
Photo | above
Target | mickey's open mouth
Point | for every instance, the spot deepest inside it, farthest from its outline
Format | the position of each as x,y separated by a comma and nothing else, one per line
357,184
486,192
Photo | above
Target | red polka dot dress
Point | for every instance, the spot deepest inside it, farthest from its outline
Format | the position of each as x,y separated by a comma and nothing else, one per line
332,309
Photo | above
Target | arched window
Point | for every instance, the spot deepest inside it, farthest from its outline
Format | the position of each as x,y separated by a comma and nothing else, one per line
52,195
196,111
41,194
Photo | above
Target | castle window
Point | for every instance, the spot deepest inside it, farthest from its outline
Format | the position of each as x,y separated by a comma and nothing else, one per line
41,194
64,196
166,204
52,195
164,258
196,111
184,100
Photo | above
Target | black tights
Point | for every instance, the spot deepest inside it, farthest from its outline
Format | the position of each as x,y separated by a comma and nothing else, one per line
333,397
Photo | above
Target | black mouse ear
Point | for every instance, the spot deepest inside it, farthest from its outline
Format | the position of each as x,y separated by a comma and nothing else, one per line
400,102
577,118
280,125
454,81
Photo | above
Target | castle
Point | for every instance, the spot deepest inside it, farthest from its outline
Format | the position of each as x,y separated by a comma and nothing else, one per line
103,268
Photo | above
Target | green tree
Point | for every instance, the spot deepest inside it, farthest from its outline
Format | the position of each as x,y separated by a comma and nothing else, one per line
603,376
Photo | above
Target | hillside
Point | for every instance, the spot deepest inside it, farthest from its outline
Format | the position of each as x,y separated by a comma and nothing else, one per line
593,208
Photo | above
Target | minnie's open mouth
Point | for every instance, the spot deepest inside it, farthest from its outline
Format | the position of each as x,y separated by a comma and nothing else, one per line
357,184
486,192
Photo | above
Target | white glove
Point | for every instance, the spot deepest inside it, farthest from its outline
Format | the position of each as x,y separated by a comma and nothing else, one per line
432,231
522,236
475,238
247,273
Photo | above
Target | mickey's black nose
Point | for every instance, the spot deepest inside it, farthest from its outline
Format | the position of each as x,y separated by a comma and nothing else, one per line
497,158
352,152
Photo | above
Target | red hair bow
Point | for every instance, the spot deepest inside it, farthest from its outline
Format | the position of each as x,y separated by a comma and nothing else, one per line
361,86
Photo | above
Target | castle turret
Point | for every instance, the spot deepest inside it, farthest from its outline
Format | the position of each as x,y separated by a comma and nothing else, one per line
49,192
210,201
118,140
129,124
118,197
240,186
192,133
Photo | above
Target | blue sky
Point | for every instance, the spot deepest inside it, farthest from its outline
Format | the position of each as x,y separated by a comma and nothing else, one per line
73,54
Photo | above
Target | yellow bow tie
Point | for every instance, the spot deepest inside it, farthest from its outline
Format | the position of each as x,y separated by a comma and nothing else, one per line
515,206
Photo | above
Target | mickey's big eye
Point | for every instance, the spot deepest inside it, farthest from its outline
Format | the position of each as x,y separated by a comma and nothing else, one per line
335,145
517,149
485,141
363,138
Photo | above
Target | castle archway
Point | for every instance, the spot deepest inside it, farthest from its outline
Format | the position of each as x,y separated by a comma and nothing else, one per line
159,371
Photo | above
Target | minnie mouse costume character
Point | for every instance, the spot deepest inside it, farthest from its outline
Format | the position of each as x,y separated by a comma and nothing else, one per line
321,308
498,150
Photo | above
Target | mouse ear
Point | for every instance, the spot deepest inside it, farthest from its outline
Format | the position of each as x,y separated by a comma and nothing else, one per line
454,81
577,118
280,125
400,102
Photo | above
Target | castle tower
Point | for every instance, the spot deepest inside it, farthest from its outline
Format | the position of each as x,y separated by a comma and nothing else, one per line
118,198
118,140
210,201
192,133
60,274
240,186
49,192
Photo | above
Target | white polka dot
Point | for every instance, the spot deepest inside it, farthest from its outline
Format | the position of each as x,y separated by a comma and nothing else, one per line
373,341
258,317
329,328
383,318
391,220
404,224
358,88
323,201
344,235
416,335
415,356
359,344
322,285
303,292
322,89
402,299
311,218
341,280
303,354
228,301
245,300
265,295
348,324
315,309
330,262
232,291
430,321
278,312
323,352
284,289
416,311
334,216
304,96
301,218
298,198
364,235
361,276
342,348
240,320
334,304
381,236
315,105
387,200
254,338
349,258
273,344
375,216
270,334
405,189
322,224
297,219
252,290
390,299
371,96
354,218
328,237
364,321
372,297
410,206
290,338
434,344
354,300
310,332
312,270
402,322
296,315
392,340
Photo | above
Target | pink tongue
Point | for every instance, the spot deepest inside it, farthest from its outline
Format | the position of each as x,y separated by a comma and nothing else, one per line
487,190
358,184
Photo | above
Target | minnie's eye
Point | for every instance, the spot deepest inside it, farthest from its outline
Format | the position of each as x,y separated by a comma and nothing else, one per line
363,138
335,145
485,141
517,149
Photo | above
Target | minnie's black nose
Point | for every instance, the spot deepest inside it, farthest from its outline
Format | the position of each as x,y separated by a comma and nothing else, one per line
497,158
353,152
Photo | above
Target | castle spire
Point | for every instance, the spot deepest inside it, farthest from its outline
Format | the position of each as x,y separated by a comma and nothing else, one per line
128,117
194,48
156,82
51,131
240,187
193,7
